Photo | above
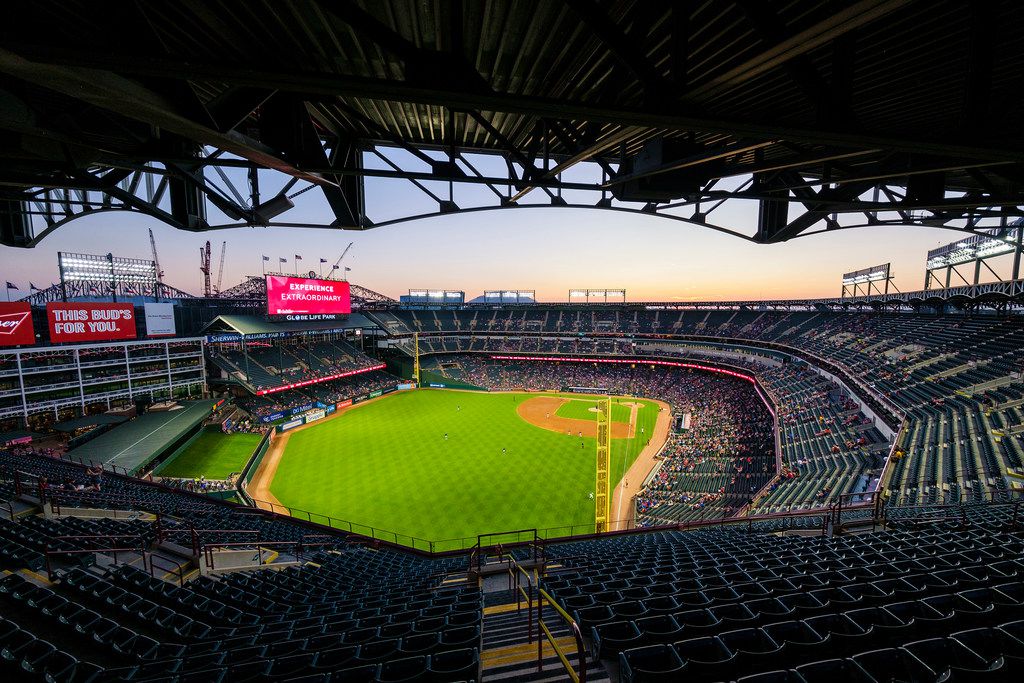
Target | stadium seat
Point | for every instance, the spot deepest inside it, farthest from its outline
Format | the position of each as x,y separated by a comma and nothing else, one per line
834,671
654,663
707,658
893,664
405,669
455,665
662,628
612,638
753,648
950,657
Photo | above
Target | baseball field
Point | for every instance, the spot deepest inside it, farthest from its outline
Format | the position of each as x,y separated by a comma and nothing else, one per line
439,465
213,455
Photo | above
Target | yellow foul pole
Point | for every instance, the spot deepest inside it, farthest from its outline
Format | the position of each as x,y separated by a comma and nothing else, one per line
603,494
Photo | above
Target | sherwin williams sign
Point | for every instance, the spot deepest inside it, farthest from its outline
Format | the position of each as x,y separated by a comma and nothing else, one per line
16,324
86,322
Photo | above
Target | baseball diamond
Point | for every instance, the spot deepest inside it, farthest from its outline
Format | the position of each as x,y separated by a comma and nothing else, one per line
441,464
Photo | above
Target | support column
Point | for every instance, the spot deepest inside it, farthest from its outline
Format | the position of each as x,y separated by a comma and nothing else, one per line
21,386
170,377
128,369
1016,252
81,384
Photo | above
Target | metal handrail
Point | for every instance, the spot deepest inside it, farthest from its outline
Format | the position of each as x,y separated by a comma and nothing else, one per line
514,571
180,567
581,653
50,552
297,546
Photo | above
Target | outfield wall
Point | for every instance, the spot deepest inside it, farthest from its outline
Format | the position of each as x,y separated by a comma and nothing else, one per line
252,465
435,380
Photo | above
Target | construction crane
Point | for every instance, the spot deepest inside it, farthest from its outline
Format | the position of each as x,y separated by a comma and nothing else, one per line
220,270
338,262
156,259
204,267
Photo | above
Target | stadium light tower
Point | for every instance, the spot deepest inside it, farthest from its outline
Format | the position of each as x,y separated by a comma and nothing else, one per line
104,275
868,281
976,249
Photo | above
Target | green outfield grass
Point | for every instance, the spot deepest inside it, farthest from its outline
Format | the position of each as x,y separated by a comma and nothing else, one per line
580,409
387,464
213,455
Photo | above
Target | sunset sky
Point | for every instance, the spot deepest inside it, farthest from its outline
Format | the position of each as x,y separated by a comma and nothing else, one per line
547,249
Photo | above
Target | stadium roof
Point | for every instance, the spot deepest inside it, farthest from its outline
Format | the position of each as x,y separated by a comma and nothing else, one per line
832,114
249,325
134,443
89,421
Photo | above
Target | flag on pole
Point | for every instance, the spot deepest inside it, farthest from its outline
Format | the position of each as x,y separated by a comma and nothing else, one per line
335,267
11,285
323,260
283,260
33,288
298,257
266,258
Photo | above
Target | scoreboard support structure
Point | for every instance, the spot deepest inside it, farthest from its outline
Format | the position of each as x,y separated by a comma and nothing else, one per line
602,493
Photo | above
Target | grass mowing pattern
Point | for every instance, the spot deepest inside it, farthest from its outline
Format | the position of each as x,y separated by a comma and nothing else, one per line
213,455
580,409
387,465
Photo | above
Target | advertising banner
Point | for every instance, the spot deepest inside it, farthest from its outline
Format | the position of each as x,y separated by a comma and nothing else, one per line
404,386
329,409
435,385
16,324
344,404
86,322
160,320
318,380
388,390
314,415
272,417
359,399
307,296
291,424
375,394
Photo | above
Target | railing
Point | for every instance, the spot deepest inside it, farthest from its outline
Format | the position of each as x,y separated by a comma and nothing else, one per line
459,546
196,536
296,548
57,499
478,554
9,507
581,652
170,567
49,553
515,574
931,514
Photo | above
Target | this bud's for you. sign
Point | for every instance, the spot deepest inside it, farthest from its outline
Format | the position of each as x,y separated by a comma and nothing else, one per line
82,322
